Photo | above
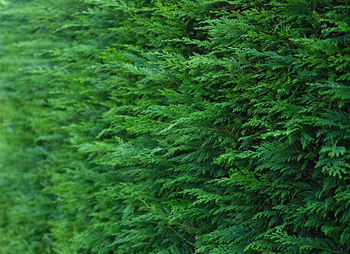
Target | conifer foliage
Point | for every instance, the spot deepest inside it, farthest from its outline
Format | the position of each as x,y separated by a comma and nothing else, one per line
174,126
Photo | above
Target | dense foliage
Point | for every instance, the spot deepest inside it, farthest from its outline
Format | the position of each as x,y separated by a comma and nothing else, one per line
174,126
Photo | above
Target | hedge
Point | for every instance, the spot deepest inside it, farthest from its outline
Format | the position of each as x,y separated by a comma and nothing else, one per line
177,126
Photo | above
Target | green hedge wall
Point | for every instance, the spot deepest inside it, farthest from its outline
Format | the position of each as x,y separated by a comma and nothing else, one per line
174,126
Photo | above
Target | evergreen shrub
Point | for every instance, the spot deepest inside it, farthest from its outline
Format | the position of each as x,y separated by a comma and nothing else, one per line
174,126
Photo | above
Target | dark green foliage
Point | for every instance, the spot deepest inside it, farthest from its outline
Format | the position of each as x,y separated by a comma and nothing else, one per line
180,126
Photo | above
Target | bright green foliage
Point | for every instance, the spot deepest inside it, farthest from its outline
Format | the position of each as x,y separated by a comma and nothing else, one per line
177,126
